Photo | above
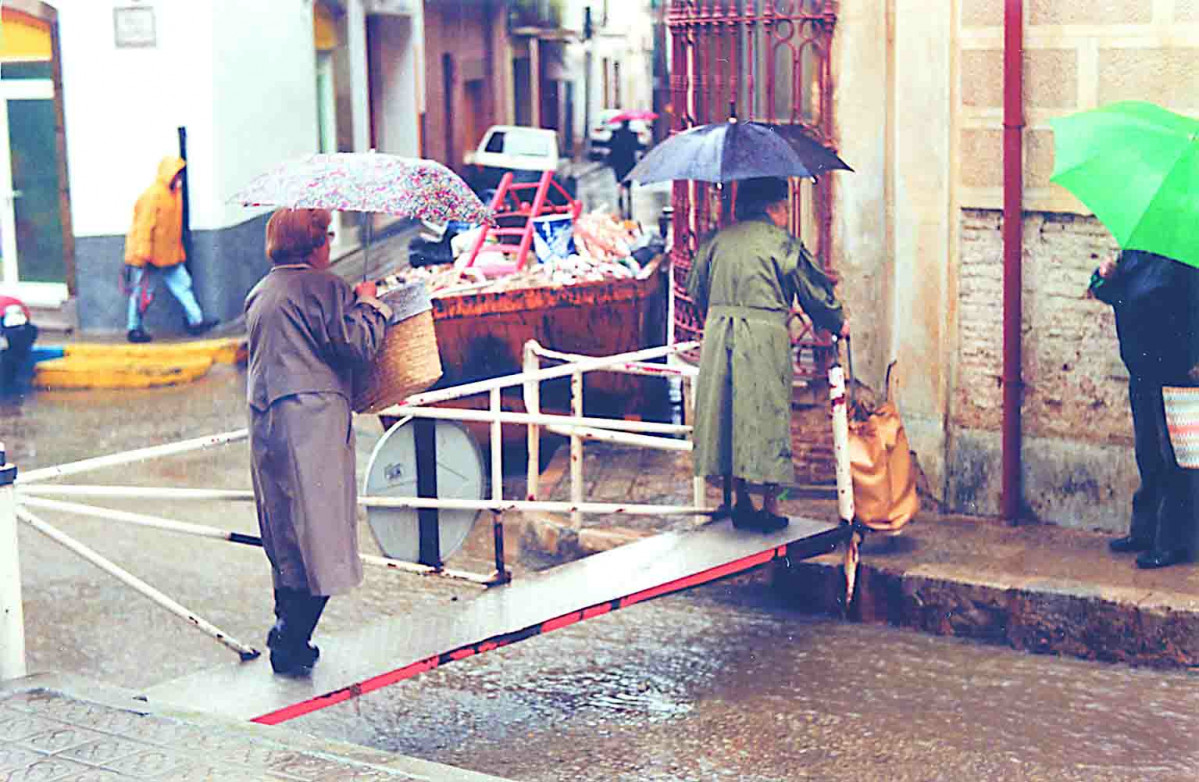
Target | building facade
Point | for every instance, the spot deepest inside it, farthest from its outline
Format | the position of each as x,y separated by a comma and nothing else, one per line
96,92
917,234
237,86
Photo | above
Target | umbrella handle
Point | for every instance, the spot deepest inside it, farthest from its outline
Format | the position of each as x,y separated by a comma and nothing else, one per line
366,247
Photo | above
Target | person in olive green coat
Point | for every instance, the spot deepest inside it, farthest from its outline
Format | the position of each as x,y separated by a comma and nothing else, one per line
746,278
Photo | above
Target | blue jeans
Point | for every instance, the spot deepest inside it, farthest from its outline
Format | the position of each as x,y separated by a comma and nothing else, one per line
178,282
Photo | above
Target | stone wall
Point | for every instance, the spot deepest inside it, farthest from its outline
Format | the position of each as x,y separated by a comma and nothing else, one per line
1077,454
1077,466
1075,384
1079,54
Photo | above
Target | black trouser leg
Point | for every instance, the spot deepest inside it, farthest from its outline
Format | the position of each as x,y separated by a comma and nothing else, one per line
308,615
1148,426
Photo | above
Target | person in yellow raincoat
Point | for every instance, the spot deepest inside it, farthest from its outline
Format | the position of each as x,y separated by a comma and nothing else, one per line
156,239
746,278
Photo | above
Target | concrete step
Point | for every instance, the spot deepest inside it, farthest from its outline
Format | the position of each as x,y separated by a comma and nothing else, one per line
1035,587
55,323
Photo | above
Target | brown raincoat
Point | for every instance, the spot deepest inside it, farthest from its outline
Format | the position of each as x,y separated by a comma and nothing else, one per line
745,278
309,335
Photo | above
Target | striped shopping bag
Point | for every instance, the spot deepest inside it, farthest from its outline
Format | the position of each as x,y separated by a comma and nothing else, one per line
1182,420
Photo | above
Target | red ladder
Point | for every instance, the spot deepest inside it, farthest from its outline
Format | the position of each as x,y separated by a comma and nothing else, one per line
508,207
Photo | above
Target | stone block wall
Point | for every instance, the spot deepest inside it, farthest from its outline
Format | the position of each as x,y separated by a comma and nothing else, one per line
1079,54
1077,452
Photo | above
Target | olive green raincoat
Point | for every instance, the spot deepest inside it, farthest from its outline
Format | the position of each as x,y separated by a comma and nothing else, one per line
746,277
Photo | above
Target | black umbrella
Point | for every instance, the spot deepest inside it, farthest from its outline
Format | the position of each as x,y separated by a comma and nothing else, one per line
729,151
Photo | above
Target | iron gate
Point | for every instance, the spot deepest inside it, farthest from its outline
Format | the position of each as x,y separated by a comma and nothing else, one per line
765,60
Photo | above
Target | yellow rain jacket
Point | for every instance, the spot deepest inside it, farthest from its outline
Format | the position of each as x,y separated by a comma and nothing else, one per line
157,232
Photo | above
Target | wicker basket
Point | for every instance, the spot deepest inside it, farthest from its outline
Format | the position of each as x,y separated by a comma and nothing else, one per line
407,364
1182,421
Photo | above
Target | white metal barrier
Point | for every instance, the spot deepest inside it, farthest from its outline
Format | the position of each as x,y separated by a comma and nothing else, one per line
21,493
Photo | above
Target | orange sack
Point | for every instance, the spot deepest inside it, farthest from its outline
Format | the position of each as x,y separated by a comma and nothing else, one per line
881,463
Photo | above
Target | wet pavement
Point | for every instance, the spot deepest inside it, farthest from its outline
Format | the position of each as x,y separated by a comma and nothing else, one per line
722,683
725,682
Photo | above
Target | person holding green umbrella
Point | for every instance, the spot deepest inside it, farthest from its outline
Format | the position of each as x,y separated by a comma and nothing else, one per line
1152,297
1136,166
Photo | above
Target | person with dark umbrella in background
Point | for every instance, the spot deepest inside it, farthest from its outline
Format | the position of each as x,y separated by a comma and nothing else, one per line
310,335
622,156
745,278
1153,298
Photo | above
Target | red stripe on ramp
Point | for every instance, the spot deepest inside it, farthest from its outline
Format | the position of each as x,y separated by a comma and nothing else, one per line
468,650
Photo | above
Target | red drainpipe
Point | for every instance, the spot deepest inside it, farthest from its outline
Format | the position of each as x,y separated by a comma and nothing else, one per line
1013,240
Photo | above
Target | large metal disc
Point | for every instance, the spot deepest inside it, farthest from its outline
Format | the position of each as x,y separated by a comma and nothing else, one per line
392,473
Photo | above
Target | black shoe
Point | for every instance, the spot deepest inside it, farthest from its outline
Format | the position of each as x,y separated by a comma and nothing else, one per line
201,327
288,659
138,336
745,516
1128,544
1162,558
759,520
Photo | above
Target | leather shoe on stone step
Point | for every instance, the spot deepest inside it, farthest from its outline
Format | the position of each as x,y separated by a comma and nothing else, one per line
1128,543
1163,558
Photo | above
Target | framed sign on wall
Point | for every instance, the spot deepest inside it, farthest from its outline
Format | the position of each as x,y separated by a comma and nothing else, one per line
133,26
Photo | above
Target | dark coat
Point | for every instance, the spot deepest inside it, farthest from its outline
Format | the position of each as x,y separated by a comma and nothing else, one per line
308,336
622,151
1152,296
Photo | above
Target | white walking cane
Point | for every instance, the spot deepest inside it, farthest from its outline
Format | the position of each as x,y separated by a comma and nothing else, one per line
839,401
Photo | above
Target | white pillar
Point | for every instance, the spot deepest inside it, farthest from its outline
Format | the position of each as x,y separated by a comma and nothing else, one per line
12,619
360,107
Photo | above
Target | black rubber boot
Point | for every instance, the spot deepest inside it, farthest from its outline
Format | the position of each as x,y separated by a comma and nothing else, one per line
296,612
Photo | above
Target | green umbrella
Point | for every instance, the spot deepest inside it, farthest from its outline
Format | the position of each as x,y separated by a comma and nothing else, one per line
1136,166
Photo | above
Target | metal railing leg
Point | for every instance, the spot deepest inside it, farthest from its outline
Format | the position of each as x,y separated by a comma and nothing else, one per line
698,487
532,394
12,615
497,484
246,652
576,450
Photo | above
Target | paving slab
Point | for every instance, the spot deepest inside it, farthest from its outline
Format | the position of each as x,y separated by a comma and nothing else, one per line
1038,587
60,727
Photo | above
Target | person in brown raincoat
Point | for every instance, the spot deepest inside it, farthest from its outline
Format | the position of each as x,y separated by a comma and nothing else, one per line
745,278
309,334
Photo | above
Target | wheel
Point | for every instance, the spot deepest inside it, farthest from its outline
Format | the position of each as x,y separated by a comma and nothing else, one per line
392,472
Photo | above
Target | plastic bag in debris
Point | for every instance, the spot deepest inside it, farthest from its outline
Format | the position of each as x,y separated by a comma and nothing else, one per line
553,238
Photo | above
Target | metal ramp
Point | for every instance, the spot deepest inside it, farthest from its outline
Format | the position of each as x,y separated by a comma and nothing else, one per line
390,651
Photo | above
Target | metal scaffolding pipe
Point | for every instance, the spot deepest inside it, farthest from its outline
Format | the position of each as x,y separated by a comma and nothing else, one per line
545,419
134,492
12,615
246,652
624,438
215,533
128,457
483,386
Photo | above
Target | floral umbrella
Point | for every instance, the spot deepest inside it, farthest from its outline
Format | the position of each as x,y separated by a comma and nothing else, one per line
367,182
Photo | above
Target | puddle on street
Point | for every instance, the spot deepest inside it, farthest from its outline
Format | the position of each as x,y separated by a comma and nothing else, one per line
724,683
